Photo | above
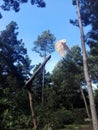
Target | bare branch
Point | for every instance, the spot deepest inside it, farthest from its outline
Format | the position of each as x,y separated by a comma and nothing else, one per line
37,71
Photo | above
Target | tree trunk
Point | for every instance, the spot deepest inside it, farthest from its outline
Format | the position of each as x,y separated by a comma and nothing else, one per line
43,80
43,84
89,86
32,110
27,86
84,99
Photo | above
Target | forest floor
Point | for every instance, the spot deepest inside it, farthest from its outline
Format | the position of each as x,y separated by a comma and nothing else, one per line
79,127
87,128
72,127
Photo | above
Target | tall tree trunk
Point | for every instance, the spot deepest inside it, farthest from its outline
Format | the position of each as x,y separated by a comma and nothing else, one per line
43,84
87,78
84,99
32,110
43,80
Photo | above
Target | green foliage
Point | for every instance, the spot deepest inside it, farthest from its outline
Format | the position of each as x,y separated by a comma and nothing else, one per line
23,121
8,119
96,99
16,121
60,101
70,74
53,119
14,110
39,3
14,70
44,44
14,62
7,5
36,86
53,114
62,117
79,115
93,67
59,118
89,16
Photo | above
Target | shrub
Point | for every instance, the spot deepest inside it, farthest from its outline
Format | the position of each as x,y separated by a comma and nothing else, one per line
79,115
62,117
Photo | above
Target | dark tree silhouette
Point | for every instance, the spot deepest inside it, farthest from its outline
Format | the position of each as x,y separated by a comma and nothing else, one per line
8,5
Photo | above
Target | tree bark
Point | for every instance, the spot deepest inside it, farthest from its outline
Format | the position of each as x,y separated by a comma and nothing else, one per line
87,78
32,110
84,99
27,85
37,71
43,84
43,81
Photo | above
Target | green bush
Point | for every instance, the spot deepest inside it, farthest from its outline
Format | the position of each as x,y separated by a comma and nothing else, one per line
79,115
62,117
48,119
11,121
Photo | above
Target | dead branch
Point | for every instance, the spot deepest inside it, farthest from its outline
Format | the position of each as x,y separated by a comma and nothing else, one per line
37,71
27,84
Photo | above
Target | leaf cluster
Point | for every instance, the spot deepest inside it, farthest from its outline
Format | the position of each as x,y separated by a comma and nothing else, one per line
44,44
8,5
14,61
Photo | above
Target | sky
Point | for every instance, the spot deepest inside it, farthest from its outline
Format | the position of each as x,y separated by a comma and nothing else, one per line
32,21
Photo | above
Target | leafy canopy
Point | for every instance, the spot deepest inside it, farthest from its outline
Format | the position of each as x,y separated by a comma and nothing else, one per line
44,44
14,61
7,5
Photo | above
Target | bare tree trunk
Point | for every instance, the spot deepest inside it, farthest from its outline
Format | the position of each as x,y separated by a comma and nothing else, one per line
32,110
87,78
43,80
27,86
43,84
84,99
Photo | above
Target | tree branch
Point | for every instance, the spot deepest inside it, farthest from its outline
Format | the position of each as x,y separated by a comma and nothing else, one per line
37,71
